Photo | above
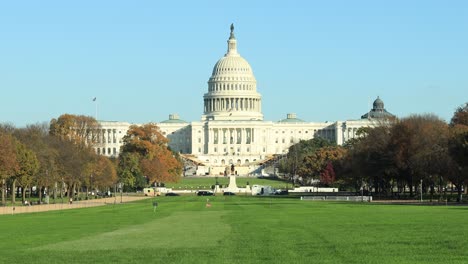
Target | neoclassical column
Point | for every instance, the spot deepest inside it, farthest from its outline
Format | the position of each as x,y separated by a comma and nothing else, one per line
234,136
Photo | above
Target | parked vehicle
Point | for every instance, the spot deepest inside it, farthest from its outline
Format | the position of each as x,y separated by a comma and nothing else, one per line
228,193
205,193
172,194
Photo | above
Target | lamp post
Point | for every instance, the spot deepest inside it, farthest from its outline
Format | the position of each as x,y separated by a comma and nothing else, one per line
421,190
121,187
61,191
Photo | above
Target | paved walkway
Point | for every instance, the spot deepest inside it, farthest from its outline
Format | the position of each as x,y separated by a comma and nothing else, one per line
65,206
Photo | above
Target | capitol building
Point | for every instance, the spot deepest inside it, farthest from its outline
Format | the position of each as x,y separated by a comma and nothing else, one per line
232,130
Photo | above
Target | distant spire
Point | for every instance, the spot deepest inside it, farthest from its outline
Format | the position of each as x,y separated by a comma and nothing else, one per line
232,43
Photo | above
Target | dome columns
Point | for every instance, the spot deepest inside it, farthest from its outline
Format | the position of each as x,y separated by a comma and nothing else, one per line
224,104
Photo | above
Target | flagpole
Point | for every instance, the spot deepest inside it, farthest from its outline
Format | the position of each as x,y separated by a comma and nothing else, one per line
96,106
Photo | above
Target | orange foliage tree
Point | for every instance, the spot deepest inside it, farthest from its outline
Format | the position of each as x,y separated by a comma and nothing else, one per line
8,162
314,164
155,160
80,129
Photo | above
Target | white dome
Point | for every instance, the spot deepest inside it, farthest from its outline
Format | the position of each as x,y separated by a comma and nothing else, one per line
232,65
232,88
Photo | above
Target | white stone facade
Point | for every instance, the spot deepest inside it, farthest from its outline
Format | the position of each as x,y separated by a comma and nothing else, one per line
232,129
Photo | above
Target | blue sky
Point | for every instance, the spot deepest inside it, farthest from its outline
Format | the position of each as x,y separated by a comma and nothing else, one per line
324,60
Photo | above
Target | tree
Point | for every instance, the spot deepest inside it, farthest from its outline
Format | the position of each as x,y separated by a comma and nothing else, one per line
80,129
327,176
293,163
147,147
458,148
419,148
129,168
314,164
8,161
37,139
27,169
100,173
460,117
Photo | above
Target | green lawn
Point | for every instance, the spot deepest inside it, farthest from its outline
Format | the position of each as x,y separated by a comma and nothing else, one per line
196,183
238,230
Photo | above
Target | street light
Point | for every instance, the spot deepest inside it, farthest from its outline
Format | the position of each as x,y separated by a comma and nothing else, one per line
120,186
421,190
61,191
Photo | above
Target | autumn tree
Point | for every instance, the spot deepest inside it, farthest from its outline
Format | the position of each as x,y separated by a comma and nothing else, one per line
147,147
99,173
293,163
419,149
314,164
8,161
327,176
80,129
37,139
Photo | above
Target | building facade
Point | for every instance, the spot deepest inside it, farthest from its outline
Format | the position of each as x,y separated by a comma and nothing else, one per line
232,130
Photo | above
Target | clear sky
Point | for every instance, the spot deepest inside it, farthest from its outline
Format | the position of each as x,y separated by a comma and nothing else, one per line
143,60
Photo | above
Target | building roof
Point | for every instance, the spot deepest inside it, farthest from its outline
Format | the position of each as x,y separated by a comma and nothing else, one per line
291,118
174,118
377,111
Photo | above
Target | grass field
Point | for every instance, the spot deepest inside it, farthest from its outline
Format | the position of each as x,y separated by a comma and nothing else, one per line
195,183
238,230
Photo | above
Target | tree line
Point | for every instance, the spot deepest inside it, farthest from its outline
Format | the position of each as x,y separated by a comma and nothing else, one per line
58,159
401,156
